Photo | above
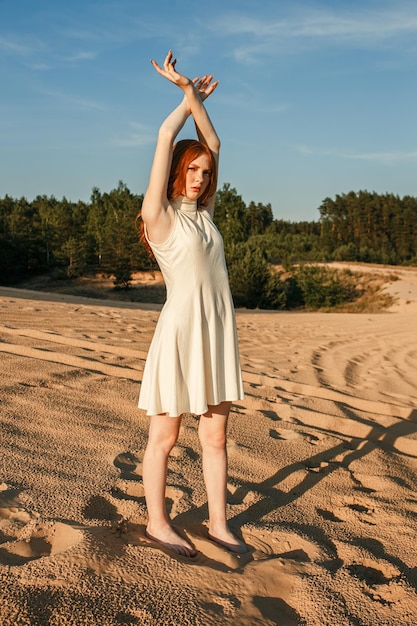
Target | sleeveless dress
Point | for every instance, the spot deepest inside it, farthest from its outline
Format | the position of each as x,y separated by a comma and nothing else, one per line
193,359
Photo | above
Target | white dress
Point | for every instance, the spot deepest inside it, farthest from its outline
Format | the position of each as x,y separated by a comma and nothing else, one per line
193,359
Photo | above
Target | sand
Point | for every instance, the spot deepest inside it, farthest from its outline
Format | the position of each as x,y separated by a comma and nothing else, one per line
323,471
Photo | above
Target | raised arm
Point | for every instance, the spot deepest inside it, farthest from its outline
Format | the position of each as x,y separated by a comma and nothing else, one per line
196,91
156,212
155,202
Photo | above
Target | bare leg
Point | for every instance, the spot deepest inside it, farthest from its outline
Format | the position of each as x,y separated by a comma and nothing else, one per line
212,432
163,434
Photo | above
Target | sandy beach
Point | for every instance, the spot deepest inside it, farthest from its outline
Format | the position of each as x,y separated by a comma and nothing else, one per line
323,471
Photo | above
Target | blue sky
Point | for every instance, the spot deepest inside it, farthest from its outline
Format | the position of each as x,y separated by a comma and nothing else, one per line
315,98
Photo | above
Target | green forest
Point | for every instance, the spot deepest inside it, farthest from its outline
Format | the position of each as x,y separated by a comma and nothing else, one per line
70,239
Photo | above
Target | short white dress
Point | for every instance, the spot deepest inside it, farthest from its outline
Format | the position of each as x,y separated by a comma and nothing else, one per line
193,359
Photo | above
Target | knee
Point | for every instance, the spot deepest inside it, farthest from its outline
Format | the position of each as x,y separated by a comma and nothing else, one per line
213,441
162,444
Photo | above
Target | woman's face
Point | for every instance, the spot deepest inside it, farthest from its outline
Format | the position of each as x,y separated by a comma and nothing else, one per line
197,177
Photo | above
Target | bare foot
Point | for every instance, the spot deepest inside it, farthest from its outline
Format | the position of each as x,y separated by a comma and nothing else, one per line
228,540
170,539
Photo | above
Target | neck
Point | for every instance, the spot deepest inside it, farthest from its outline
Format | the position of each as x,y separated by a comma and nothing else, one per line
184,203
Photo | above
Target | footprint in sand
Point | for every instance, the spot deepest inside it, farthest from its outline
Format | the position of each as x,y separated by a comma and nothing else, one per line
175,496
279,560
11,509
357,509
129,499
175,499
372,573
284,435
24,538
273,565
211,554
288,545
225,604
237,495
99,508
179,452
131,470
234,448
379,579
375,483
329,515
130,466
272,415
285,545
129,491
45,540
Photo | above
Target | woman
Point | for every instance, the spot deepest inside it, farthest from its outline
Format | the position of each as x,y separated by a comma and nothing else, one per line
193,362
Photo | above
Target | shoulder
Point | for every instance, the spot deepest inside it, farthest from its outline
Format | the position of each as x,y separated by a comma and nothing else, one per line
159,224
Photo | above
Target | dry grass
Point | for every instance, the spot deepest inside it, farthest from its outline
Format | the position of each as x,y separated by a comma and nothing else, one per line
366,289
146,287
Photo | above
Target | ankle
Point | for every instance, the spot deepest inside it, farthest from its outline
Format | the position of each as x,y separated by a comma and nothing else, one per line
218,527
156,527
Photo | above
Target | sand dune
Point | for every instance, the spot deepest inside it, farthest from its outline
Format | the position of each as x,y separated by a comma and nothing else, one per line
323,471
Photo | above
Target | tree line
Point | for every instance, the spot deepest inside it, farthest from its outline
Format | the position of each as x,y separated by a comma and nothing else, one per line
68,239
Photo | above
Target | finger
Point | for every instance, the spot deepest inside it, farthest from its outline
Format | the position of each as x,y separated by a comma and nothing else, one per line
212,87
205,85
168,60
157,67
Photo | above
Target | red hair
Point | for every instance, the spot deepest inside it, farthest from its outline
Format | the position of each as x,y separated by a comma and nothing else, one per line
184,153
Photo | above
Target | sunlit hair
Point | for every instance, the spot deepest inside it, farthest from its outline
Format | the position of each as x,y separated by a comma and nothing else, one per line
184,153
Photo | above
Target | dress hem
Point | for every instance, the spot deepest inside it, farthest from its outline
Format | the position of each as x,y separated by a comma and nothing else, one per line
189,409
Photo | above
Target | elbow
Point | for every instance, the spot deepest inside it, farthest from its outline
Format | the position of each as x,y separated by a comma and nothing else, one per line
148,207
166,134
214,144
145,212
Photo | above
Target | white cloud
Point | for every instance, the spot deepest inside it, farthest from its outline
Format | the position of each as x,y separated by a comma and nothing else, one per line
40,67
252,103
305,28
139,135
384,157
74,101
379,157
13,46
82,56
33,51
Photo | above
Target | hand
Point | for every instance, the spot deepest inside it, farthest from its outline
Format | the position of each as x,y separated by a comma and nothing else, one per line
169,72
204,86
